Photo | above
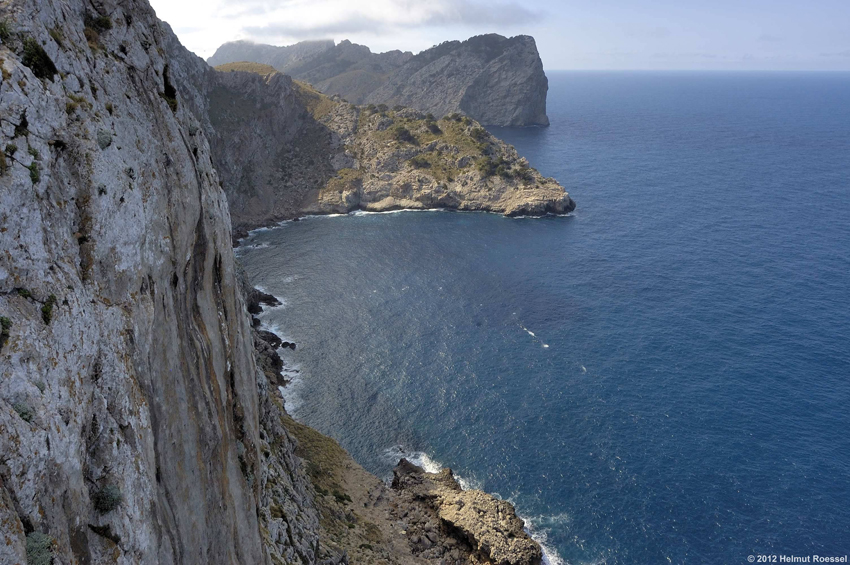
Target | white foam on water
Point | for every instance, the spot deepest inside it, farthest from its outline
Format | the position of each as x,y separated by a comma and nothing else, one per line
546,346
291,393
371,212
538,527
422,459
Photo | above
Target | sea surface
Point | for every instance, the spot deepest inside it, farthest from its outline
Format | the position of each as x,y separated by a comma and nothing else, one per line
662,376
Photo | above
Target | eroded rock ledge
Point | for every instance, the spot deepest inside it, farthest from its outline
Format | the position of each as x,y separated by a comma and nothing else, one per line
490,527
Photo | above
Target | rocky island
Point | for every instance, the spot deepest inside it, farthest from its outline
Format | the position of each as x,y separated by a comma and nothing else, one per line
140,415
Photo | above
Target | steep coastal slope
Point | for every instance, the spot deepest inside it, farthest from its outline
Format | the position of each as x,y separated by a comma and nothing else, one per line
491,78
140,419
329,156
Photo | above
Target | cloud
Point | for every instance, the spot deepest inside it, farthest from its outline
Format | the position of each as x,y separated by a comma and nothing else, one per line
322,18
844,54
767,38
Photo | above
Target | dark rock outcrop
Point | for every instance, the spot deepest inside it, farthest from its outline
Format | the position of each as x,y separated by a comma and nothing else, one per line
491,528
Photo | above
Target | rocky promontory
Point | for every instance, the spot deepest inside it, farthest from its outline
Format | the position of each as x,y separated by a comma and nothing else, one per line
493,79
320,154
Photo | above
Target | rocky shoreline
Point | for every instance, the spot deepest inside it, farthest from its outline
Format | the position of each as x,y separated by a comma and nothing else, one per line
421,517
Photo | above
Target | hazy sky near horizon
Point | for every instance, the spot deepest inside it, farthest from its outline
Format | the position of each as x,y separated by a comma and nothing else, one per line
600,34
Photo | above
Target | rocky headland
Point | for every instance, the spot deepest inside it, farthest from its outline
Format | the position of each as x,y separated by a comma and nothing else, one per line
141,419
329,156
493,79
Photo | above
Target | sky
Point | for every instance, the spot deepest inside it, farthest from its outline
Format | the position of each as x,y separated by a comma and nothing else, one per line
571,35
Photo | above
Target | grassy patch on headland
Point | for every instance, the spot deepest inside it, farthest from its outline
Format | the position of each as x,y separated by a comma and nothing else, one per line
247,67
318,104
324,456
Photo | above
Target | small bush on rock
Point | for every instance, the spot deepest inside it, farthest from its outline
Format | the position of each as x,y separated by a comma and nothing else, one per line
39,549
5,326
47,309
107,499
36,58
24,411
402,134
419,163
5,31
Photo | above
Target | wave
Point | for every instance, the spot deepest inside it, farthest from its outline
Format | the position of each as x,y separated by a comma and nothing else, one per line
291,393
538,527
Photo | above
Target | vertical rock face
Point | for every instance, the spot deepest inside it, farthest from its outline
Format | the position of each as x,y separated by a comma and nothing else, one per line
129,416
493,79
496,80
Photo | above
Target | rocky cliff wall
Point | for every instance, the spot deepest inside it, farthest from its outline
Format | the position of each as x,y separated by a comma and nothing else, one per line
129,414
493,79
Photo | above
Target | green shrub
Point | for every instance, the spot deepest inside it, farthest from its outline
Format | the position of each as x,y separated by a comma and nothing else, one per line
33,151
340,497
36,58
434,128
107,499
382,108
478,134
35,172
402,134
39,549
524,173
57,36
47,309
100,23
24,293
419,163
11,149
5,30
169,93
5,326
489,167
24,411
366,546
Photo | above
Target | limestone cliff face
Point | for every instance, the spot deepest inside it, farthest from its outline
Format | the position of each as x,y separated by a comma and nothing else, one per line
270,152
129,413
493,79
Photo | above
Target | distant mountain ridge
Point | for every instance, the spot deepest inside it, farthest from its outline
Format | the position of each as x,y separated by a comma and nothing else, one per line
491,78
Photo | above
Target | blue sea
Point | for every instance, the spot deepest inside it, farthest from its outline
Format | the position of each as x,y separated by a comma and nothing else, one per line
662,376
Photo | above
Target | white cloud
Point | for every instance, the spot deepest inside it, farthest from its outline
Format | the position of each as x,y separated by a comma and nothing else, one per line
405,24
